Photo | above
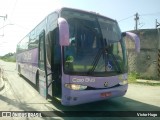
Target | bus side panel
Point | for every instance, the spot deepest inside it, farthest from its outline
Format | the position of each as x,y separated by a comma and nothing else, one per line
28,63
34,64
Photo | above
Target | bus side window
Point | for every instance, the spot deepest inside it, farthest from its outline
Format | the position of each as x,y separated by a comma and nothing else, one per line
49,47
41,50
23,45
33,40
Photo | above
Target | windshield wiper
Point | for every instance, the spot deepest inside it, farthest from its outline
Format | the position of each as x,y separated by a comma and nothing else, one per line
100,51
97,57
95,61
118,68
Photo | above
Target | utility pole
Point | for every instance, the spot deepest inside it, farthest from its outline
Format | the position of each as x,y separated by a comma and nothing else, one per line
136,21
5,17
157,24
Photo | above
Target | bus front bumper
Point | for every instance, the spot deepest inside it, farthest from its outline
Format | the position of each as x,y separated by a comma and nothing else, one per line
75,97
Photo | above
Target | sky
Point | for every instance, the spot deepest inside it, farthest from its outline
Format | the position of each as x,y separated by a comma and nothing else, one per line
24,15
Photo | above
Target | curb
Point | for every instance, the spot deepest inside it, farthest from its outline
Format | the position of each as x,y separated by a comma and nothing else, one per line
148,81
1,80
1,84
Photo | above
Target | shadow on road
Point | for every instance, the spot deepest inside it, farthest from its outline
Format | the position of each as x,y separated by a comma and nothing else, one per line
22,106
117,108
120,107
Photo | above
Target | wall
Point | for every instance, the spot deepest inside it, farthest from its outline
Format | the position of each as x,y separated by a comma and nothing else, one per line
145,63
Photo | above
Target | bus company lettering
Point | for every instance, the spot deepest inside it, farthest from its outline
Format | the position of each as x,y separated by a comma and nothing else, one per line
27,56
83,80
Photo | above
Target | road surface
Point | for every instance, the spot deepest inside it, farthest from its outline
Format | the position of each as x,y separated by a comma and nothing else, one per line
19,95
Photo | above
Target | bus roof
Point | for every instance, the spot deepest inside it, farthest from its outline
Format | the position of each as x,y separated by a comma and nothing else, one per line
83,11
74,9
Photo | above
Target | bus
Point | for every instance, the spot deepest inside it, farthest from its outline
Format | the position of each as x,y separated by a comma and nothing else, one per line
76,56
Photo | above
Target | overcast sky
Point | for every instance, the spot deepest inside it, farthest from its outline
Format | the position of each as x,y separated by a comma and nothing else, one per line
24,15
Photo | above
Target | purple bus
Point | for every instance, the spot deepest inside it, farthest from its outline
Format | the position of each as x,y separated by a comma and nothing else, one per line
76,56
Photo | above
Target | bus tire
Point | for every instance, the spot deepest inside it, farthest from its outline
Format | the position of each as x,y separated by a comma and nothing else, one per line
19,71
37,81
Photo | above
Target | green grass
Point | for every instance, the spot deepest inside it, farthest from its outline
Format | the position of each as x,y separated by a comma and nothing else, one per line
10,59
133,76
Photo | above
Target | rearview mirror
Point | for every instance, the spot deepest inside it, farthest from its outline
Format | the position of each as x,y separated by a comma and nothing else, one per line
63,32
134,38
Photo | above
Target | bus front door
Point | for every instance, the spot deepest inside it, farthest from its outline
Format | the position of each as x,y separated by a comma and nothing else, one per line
42,72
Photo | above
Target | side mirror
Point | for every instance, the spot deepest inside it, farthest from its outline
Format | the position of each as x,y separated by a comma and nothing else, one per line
63,32
134,38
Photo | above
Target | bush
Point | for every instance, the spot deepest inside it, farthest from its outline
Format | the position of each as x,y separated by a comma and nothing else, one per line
10,57
132,76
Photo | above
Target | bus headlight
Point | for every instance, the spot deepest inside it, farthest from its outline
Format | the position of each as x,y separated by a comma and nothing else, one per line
124,82
75,87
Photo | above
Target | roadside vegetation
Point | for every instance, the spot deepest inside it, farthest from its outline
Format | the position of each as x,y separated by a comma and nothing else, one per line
10,57
135,78
132,77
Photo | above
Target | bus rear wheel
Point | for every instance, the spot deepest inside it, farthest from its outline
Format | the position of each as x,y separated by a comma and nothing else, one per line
37,82
19,71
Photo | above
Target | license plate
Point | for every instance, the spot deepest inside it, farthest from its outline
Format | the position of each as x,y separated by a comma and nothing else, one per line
105,94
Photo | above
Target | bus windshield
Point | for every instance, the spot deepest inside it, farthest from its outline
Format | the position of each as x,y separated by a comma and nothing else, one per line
96,47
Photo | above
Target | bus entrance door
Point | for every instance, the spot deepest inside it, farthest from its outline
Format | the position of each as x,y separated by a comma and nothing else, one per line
42,72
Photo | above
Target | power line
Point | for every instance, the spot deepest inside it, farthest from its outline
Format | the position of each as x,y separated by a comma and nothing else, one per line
149,14
5,25
125,18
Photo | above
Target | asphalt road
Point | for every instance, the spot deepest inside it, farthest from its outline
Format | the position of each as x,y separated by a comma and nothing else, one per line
19,95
